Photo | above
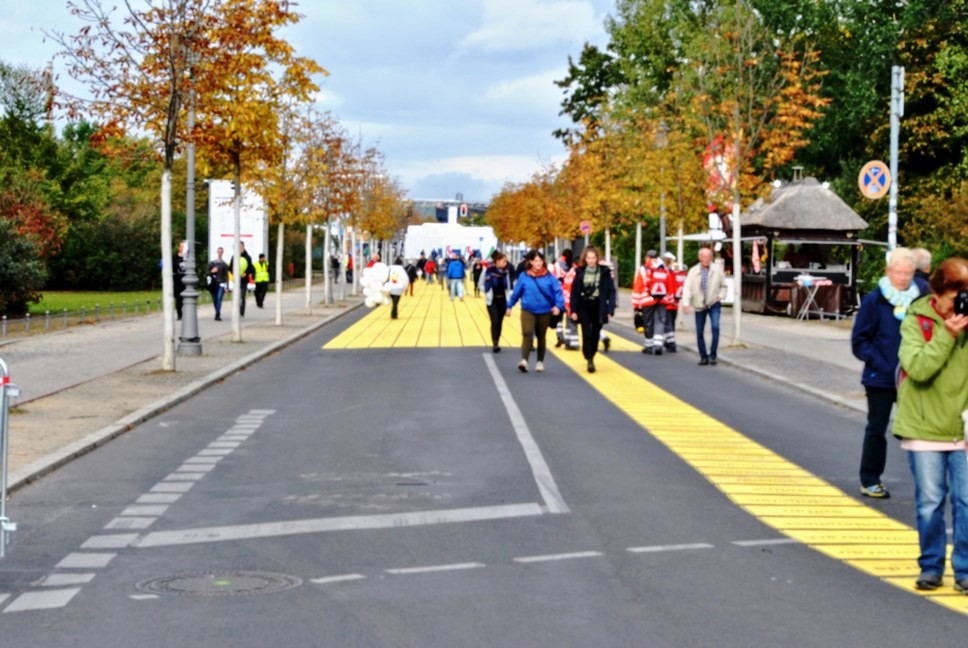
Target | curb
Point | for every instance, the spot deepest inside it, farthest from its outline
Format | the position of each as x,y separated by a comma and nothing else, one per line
46,465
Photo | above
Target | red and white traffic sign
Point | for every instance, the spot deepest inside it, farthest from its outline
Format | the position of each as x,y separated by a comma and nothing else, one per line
874,180
586,226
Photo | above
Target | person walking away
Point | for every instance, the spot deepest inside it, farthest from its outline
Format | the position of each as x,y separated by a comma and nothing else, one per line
430,269
875,340
541,299
261,277
672,302
218,277
245,275
570,326
476,272
455,276
349,269
421,264
397,282
592,301
412,272
497,285
704,292
653,282
442,272
932,420
178,275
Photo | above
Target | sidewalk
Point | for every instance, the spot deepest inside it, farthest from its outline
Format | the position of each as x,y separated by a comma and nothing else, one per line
84,386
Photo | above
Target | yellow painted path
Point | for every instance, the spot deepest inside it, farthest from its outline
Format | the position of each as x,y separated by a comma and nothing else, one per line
773,489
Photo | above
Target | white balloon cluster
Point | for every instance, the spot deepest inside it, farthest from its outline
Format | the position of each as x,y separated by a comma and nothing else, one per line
374,290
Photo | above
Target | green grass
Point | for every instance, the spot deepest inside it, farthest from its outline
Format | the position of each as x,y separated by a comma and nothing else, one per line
56,301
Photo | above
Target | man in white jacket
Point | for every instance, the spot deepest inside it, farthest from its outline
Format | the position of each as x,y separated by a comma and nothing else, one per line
704,291
397,282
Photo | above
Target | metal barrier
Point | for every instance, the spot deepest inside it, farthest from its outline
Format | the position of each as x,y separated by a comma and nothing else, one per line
7,389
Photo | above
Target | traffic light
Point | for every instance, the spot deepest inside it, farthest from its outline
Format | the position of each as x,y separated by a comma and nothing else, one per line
462,212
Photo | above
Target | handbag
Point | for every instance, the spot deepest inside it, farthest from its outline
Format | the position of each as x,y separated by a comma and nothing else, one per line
639,321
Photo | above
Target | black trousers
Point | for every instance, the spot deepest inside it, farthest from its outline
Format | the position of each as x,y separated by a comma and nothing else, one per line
591,328
497,310
243,289
396,302
874,454
261,288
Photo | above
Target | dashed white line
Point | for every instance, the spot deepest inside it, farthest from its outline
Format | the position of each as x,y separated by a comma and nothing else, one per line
215,452
678,547
337,579
192,476
60,580
561,556
757,543
203,460
43,600
112,541
90,560
144,597
168,487
224,444
137,511
130,523
194,468
435,568
158,498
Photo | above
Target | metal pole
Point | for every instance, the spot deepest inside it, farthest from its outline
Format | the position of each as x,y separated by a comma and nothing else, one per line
638,244
309,267
327,251
6,389
897,111
190,343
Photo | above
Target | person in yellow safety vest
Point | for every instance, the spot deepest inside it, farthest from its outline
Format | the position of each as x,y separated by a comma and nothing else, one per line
261,280
245,275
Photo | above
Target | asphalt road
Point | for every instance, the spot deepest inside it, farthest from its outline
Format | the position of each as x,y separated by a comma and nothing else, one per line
395,497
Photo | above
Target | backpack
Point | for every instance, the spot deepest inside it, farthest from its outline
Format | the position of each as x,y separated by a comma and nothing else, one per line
926,324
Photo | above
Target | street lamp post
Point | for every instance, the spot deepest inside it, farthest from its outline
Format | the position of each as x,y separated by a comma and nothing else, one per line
661,141
189,343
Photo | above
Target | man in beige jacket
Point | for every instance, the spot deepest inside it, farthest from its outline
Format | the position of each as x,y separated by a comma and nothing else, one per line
704,292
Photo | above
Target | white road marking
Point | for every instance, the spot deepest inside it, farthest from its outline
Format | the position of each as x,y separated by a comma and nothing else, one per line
224,444
43,600
215,452
349,523
661,548
193,476
234,436
3,597
194,468
203,460
130,523
435,568
561,556
158,498
113,541
144,597
260,412
337,579
145,510
757,543
90,560
59,580
169,487
539,468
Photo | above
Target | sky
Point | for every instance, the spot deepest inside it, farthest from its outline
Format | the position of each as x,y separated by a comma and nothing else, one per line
458,94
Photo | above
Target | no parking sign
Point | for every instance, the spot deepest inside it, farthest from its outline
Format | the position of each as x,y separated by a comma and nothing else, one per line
874,180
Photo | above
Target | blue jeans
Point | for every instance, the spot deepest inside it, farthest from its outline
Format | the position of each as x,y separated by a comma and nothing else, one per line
218,292
713,313
936,474
456,288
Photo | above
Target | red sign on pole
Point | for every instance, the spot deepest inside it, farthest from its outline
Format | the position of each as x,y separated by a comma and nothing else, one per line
586,226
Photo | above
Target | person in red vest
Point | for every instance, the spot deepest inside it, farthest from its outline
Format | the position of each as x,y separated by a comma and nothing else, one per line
672,301
653,282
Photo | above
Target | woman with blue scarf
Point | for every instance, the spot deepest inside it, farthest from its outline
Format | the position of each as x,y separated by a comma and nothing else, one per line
876,339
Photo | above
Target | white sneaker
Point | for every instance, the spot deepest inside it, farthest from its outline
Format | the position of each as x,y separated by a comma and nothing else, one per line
539,367
523,366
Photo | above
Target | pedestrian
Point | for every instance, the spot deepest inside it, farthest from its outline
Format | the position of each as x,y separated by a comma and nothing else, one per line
261,278
541,299
932,421
672,302
497,285
560,270
397,282
922,269
875,340
333,267
178,275
421,263
652,283
442,272
430,269
375,259
218,277
245,275
455,276
704,292
349,269
412,272
592,301
476,271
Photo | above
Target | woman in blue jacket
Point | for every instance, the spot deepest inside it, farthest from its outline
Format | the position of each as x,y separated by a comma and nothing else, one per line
876,339
541,299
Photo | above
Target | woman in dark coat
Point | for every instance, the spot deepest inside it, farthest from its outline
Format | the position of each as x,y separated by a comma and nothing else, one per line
592,301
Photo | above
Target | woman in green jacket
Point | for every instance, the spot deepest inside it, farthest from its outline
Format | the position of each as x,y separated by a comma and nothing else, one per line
931,398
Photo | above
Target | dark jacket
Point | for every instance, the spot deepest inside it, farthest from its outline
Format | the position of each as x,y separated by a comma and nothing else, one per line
606,293
876,339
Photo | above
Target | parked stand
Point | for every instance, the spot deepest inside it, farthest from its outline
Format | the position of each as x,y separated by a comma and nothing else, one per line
7,389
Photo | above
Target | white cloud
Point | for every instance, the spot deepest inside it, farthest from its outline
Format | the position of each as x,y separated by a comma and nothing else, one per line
536,92
518,25
490,169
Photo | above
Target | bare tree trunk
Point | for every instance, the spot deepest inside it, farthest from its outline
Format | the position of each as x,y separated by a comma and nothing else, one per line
167,280
280,231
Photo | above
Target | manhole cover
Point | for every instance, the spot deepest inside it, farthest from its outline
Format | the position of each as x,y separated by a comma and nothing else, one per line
220,583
